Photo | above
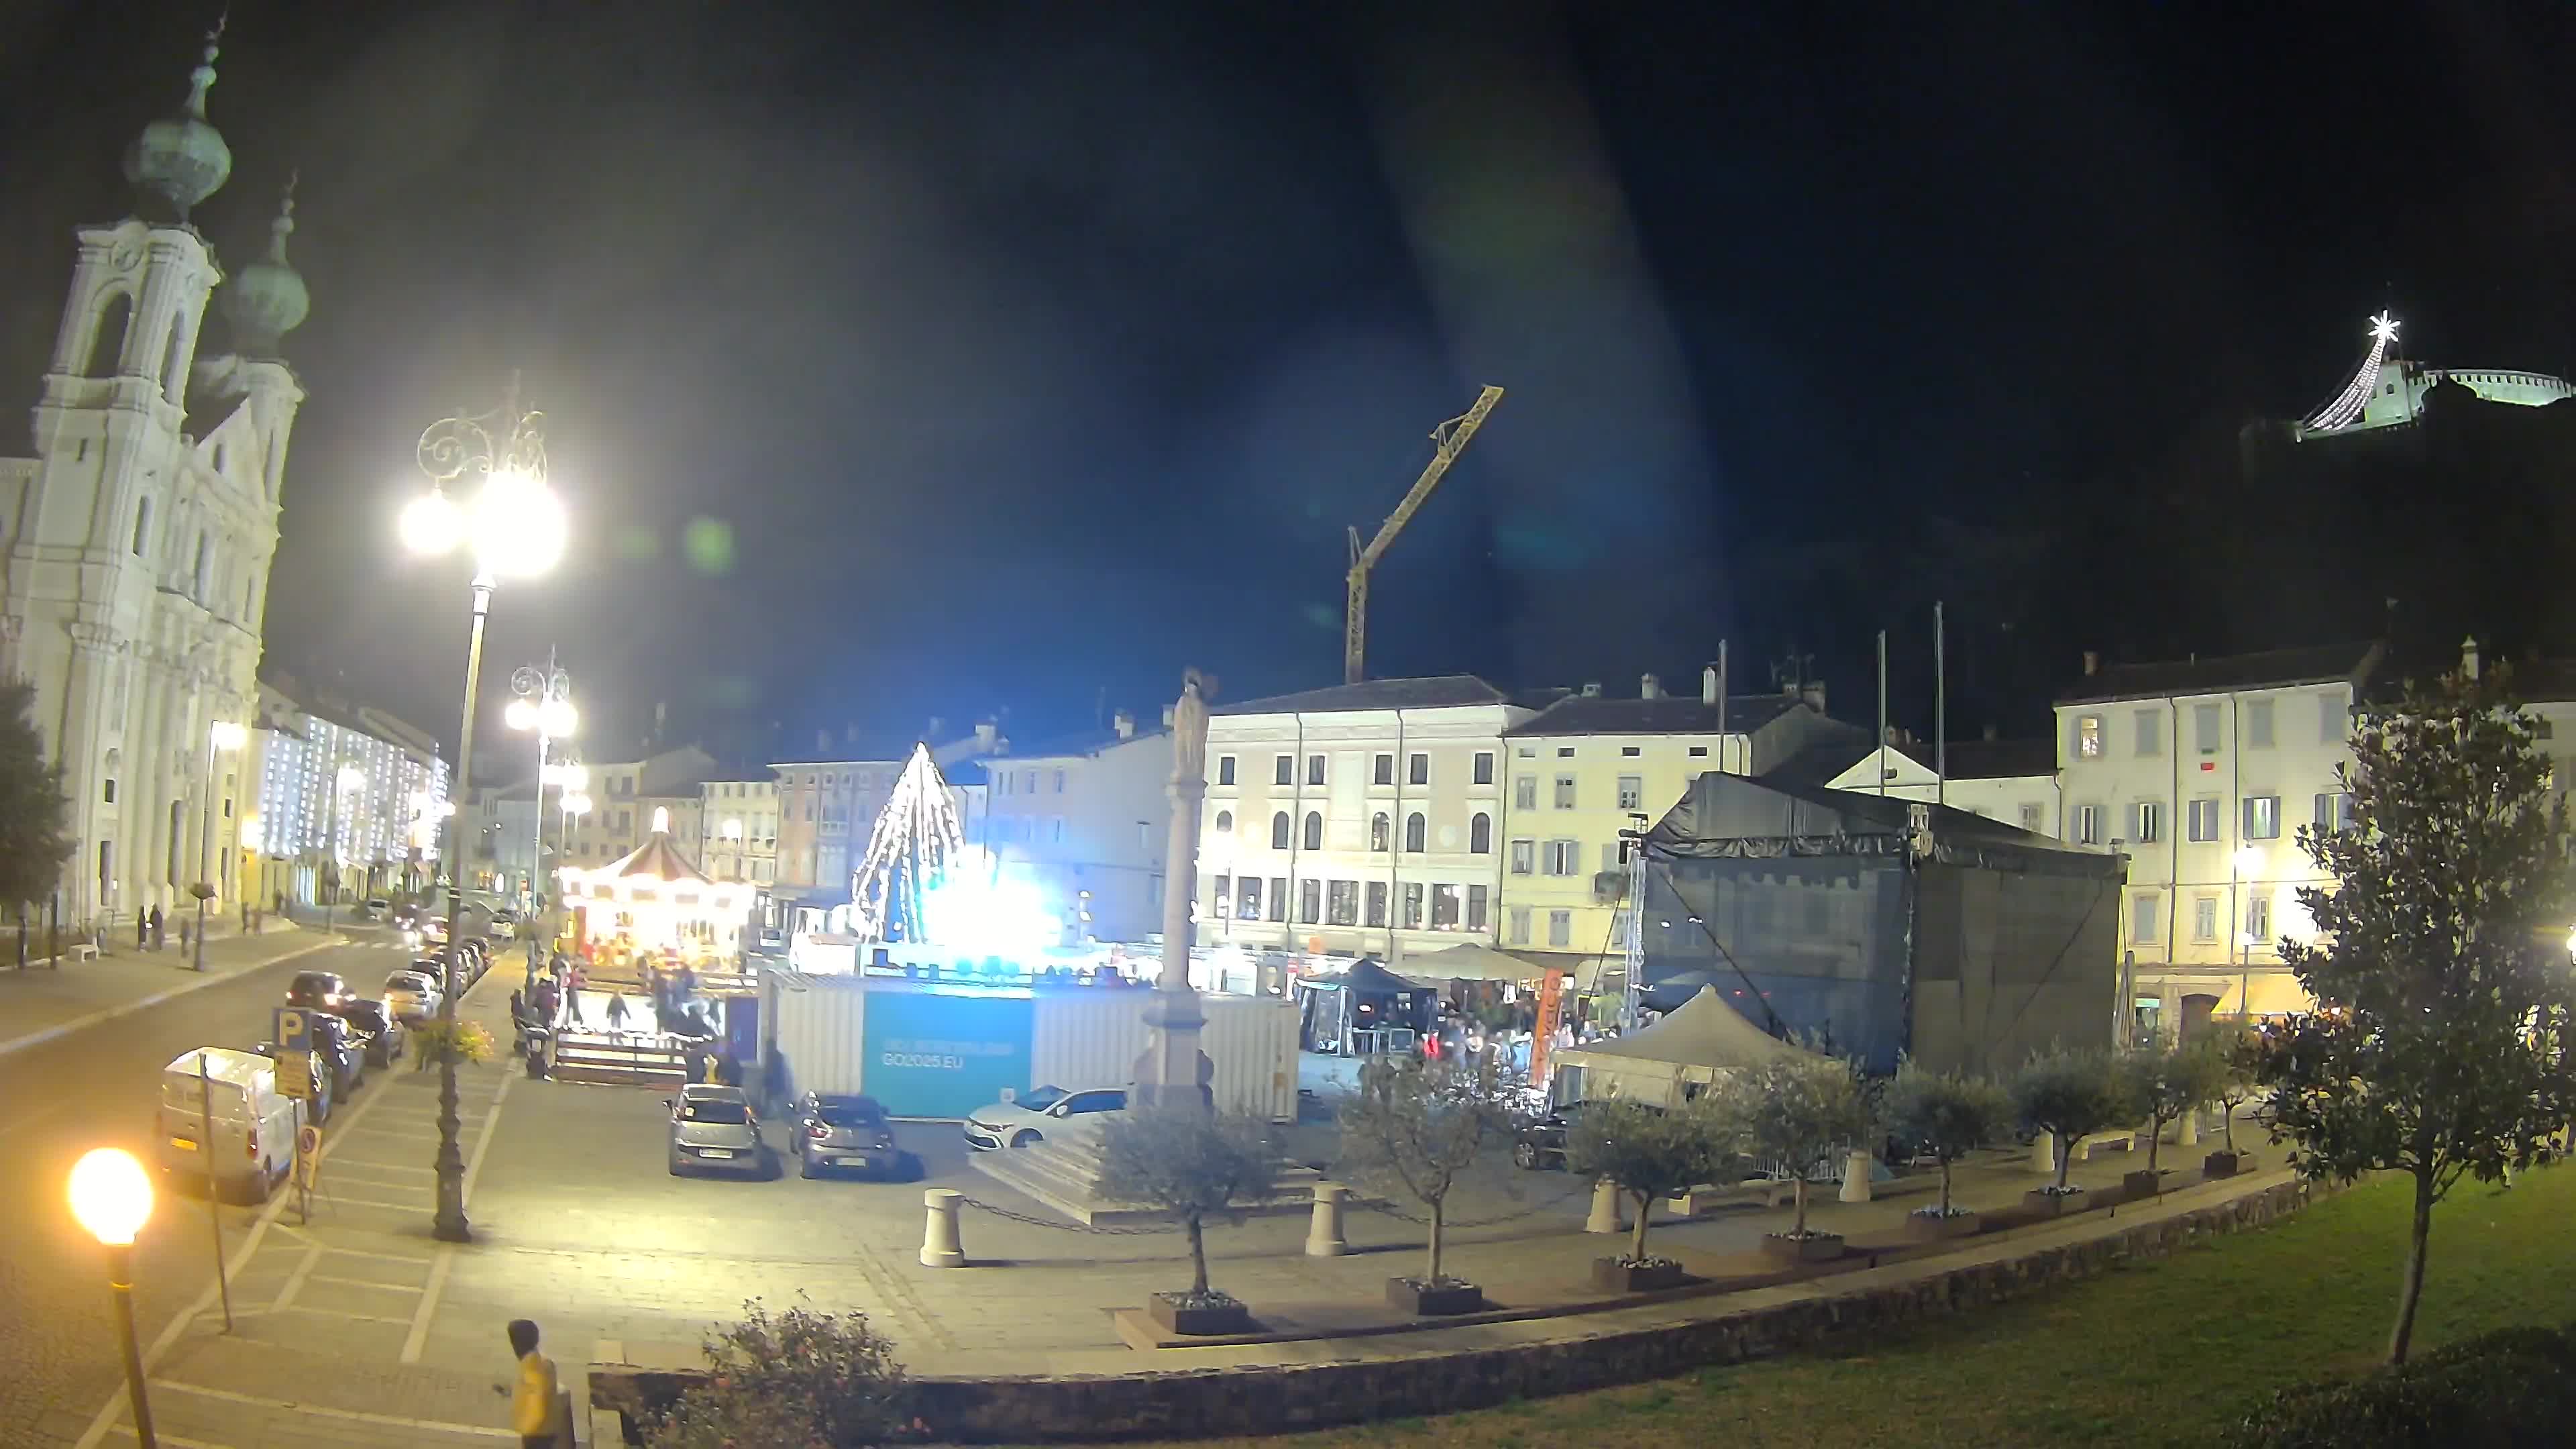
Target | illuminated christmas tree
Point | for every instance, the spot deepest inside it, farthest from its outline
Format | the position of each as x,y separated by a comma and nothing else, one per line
915,845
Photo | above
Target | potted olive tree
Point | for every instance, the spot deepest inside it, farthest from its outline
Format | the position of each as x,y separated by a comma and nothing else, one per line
2163,1084
1647,1152
1793,1111
1946,1115
2068,1095
1412,1128
1192,1165
2240,1053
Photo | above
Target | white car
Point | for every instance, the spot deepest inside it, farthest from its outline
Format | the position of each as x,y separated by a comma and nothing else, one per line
1023,1121
411,995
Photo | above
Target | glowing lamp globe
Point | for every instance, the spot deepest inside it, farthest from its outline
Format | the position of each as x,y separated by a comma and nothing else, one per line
432,524
2248,860
111,1195
520,715
229,736
518,526
557,718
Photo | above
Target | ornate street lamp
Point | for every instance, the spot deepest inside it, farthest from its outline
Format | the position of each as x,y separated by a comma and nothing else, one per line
544,704
514,526
112,1198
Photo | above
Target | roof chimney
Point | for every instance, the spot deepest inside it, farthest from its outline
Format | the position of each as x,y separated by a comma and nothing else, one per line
2092,662
1649,687
1124,722
2469,657
985,732
1592,689
1814,693
1708,685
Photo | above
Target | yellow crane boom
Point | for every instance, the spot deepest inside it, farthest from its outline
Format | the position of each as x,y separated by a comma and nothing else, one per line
1447,441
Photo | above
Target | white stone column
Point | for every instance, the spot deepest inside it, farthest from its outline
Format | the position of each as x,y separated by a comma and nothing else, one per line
1324,1230
1173,1070
1604,1217
2187,1128
1856,1169
2043,1154
940,1245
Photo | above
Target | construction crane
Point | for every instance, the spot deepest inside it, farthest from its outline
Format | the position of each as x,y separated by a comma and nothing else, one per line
1447,441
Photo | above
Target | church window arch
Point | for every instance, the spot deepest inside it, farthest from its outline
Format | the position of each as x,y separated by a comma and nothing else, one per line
1416,831
174,382
107,337
143,526
107,786
1279,831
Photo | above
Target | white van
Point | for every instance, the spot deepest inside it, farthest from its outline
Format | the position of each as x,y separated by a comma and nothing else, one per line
253,1137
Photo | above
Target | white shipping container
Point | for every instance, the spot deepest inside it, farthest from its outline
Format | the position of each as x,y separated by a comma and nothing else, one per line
815,1028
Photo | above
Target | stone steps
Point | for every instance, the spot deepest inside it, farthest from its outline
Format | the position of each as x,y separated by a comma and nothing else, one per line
1063,1172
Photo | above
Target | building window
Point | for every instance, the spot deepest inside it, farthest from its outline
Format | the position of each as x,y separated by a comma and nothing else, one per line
1444,908
201,574
2147,822
1055,830
1059,782
2204,918
1417,770
1484,767
2334,811
1028,781
2202,825
1283,771
142,525
1565,752
2204,728
1314,769
1525,793
1247,899
1314,830
1225,769
1564,857
2033,818
2332,719
1378,831
2258,724
1224,822
2258,920
1480,834
1412,919
1382,770
2088,737
2088,825
1524,856
1415,829
1560,928
2150,724
2142,918
1516,930
1279,831
1565,792
1478,898
1342,905
1632,792
1144,835
1376,904
1310,901
2263,817
1699,752
1224,895
107,791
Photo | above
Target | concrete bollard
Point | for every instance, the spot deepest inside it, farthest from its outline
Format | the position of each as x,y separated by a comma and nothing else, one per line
2043,1154
1856,1169
940,1247
1324,1230
1604,1217
2187,1128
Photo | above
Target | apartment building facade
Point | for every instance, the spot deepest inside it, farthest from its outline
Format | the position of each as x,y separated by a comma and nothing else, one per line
625,796
2202,772
2012,781
738,817
827,805
1086,820
1590,766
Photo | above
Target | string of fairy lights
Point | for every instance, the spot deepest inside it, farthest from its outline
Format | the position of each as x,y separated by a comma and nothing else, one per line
916,840
2355,396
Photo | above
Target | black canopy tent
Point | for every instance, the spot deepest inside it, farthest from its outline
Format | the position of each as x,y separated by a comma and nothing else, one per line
1365,996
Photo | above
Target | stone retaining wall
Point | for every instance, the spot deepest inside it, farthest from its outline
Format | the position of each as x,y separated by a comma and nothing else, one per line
1272,1399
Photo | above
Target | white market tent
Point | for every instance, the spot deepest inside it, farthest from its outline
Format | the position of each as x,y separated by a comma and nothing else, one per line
1693,1043
1470,962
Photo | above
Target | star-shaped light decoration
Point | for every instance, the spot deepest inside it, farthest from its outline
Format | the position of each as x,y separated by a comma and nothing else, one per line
2383,328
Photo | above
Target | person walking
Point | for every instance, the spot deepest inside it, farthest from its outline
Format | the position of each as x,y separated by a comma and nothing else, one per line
142,930
617,1011
160,932
537,1410
572,996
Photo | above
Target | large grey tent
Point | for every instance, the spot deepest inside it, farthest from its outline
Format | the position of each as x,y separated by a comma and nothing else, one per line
1695,1042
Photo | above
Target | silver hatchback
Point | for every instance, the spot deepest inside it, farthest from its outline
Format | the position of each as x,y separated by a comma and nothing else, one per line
716,1129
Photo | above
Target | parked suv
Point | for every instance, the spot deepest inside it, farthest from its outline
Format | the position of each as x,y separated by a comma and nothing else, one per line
844,1131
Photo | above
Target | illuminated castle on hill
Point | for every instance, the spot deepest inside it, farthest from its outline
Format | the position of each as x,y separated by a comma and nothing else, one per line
2388,391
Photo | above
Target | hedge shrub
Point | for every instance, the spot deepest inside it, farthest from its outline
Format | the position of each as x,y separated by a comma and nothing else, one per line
2512,1386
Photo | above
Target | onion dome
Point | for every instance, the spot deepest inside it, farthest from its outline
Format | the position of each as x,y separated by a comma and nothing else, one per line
182,159
266,300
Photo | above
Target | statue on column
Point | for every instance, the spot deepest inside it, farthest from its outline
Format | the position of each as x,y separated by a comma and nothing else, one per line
1173,1070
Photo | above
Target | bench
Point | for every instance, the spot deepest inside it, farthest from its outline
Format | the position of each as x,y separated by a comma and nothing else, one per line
1769,1192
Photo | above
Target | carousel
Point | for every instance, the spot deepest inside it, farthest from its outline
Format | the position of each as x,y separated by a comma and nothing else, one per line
655,904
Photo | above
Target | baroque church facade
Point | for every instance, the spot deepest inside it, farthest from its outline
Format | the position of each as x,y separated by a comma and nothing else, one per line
139,535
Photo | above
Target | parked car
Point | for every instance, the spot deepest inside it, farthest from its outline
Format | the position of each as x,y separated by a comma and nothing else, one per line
380,1032
412,993
833,1130
716,1129
1024,1120
377,908
319,991
251,1145
337,1043
1540,1146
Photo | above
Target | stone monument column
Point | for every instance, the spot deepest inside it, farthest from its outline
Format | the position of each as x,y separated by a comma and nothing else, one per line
1173,1071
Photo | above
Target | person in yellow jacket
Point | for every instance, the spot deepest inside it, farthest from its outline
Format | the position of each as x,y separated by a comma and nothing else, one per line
536,1406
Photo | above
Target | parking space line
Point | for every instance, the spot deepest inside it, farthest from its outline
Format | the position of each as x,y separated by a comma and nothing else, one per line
390,1167
363,1283
413,1259
355,1416
333,1199
295,1280
427,1308
338,1313
173,1440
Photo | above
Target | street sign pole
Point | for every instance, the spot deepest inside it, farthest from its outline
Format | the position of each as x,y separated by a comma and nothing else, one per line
308,1166
214,1204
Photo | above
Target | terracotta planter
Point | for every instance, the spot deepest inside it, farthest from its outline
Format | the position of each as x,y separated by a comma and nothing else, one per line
1198,1319
2223,1163
1613,1276
2142,1183
2053,1204
1924,1227
1813,1248
1414,1296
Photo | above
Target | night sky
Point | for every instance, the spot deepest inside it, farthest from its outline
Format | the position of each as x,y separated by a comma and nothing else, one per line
939,360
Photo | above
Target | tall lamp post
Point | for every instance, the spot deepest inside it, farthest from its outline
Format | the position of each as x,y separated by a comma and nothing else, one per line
513,524
544,704
223,738
112,1197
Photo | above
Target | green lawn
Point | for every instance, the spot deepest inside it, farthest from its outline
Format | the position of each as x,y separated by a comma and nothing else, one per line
2161,1353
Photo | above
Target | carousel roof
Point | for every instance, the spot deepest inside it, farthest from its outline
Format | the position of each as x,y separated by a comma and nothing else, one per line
656,859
